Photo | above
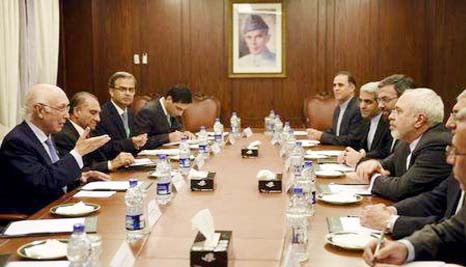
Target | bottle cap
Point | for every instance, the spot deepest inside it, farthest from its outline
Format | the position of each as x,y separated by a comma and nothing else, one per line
297,190
78,228
162,156
308,163
133,182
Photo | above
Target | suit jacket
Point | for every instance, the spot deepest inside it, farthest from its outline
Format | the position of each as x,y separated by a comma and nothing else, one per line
153,121
29,179
426,208
427,166
66,140
351,130
443,241
381,143
112,124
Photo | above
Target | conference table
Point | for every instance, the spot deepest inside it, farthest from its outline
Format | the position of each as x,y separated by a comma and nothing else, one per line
257,220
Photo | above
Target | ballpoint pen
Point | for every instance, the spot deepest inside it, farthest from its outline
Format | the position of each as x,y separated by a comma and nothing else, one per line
380,242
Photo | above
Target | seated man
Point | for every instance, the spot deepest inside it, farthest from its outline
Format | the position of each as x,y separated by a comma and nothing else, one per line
158,117
117,120
443,241
33,174
84,113
413,213
346,126
390,89
377,138
417,165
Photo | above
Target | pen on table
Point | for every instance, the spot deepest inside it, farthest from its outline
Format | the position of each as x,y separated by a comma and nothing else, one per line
380,242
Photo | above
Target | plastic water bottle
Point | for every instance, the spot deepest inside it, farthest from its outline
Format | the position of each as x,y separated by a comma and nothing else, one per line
285,132
164,191
297,160
307,182
135,220
298,223
288,145
185,156
79,247
218,132
235,123
269,123
203,143
278,127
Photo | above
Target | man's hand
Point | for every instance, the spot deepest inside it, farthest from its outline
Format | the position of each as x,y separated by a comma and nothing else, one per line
376,216
353,156
123,159
139,141
86,145
190,135
93,176
368,168
314,134
175,136
392,252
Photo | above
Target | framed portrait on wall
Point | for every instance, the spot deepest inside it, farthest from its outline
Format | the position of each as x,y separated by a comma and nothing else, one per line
256,39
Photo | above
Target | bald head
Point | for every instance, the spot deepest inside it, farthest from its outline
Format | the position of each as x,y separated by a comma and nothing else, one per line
46,106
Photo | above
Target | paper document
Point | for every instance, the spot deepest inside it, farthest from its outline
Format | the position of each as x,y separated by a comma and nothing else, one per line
107,185
38,264
335,167
356,189
430,264
353,224
94,194
155,152
42,226
142,162
327,153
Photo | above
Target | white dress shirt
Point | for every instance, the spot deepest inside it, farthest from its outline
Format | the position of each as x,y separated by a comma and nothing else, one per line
161,100
372,129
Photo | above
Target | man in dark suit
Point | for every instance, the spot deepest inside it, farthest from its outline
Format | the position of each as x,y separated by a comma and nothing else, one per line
158,117
84,113
390,89
346,126
443,241
377,138
413,213
417,164
117,120
33,173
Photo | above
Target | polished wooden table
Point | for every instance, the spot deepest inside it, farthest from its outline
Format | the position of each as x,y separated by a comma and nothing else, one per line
257,220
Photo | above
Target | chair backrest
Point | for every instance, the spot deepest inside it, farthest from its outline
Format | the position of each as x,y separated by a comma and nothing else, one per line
202,112
318,111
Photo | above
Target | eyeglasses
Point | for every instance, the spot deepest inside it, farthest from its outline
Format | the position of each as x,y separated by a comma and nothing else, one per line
385,100
64,109
130,90
450,151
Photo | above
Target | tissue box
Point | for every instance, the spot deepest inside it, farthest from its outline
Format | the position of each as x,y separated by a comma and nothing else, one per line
271,186
204,184
211,257
249,152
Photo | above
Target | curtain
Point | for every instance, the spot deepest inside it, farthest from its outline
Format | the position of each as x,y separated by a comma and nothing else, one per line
9,62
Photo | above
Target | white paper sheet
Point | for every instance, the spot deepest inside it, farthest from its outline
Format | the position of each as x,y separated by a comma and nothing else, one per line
154,213
38,264
42,226
107,185
155,152
328,153
178,181
356,189
335,167
142,162
299,133
429,264
353,224
123,257
94,194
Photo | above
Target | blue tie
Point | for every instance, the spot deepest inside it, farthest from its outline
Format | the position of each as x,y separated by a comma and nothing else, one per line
53,152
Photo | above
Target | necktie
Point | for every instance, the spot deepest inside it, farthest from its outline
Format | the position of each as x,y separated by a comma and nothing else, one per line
53,152
124,117
169,121
460,202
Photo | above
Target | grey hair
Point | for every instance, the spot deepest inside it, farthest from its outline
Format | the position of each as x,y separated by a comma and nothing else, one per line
30,100
425,100
461,115
370,87
461,96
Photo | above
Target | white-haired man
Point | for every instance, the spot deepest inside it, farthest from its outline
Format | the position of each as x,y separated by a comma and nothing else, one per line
377,138
417,164
33,173
435,241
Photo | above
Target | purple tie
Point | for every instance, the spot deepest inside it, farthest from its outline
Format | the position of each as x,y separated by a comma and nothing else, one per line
53,152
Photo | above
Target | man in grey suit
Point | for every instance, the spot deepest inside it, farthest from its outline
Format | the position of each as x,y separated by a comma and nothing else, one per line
346,128
434,241
417,164
411,214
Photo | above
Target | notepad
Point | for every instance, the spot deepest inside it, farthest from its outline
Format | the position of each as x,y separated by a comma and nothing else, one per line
107,185
94,194
360,189
155,152
335,167
48,226
142,162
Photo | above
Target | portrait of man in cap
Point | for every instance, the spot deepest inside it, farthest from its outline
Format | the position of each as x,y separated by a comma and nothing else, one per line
256,35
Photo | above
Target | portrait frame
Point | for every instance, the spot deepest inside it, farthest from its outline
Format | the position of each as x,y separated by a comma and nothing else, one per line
256,38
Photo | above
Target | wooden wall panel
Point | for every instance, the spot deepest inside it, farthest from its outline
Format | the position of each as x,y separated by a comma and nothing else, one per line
186,43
